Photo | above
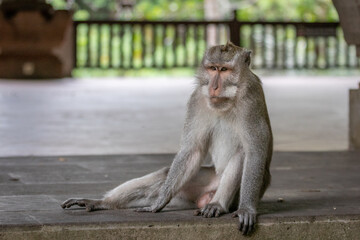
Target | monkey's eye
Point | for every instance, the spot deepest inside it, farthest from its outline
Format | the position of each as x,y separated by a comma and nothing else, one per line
223,69
213,68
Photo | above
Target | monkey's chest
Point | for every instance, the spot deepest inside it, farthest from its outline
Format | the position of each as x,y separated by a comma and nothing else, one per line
225,144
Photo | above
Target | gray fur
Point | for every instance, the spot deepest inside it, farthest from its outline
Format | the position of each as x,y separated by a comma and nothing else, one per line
232,126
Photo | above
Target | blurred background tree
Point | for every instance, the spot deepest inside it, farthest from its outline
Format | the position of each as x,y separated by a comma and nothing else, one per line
249,10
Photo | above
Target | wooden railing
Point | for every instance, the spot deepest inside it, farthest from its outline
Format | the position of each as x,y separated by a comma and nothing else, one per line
167,44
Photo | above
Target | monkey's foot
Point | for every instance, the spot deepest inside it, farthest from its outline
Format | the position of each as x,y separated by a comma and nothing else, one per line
247,220
90,205
210,210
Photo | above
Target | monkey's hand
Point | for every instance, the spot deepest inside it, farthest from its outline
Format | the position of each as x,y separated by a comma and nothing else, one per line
247,220
157,207
210,210
153,209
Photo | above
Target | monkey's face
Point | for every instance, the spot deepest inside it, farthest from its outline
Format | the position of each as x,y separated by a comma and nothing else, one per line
220,74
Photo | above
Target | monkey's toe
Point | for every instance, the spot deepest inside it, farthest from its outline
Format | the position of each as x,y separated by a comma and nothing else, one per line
88,204
210,210
71,202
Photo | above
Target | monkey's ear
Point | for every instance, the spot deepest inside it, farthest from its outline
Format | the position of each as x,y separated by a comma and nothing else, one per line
248,57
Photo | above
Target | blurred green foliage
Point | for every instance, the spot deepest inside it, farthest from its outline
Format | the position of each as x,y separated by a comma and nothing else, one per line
294,10
176,9
250,10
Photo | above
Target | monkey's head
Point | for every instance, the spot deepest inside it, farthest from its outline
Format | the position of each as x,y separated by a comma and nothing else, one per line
220,74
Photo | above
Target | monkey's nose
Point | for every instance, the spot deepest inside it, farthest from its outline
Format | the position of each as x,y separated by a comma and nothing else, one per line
215,85
214,92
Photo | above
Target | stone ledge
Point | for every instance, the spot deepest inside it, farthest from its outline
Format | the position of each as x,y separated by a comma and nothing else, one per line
345,227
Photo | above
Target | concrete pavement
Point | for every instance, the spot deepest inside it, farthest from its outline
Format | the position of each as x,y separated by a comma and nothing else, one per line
320,199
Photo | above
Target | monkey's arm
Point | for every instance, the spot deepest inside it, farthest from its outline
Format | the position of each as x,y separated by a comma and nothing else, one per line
257,140
185,165
228,186
187,161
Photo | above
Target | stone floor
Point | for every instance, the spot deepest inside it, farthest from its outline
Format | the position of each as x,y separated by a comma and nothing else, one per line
145,115
315,187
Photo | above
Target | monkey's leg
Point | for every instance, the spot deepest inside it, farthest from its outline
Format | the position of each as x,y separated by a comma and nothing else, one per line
137,192
228,186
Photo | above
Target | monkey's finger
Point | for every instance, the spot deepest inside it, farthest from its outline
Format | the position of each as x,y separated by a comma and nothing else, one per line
246,224
234,215
241,222
144,209
155,210
251,225
253,218
158,207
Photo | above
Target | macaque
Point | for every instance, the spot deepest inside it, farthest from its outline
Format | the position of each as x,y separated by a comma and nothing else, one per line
227,121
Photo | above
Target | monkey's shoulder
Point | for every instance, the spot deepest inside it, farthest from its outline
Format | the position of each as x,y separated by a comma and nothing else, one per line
253,83
251,91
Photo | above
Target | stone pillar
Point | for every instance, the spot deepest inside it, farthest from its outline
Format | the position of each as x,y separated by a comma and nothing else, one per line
349,14
354,118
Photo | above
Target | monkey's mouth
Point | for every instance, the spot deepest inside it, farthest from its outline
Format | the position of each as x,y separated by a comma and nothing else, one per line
218,100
